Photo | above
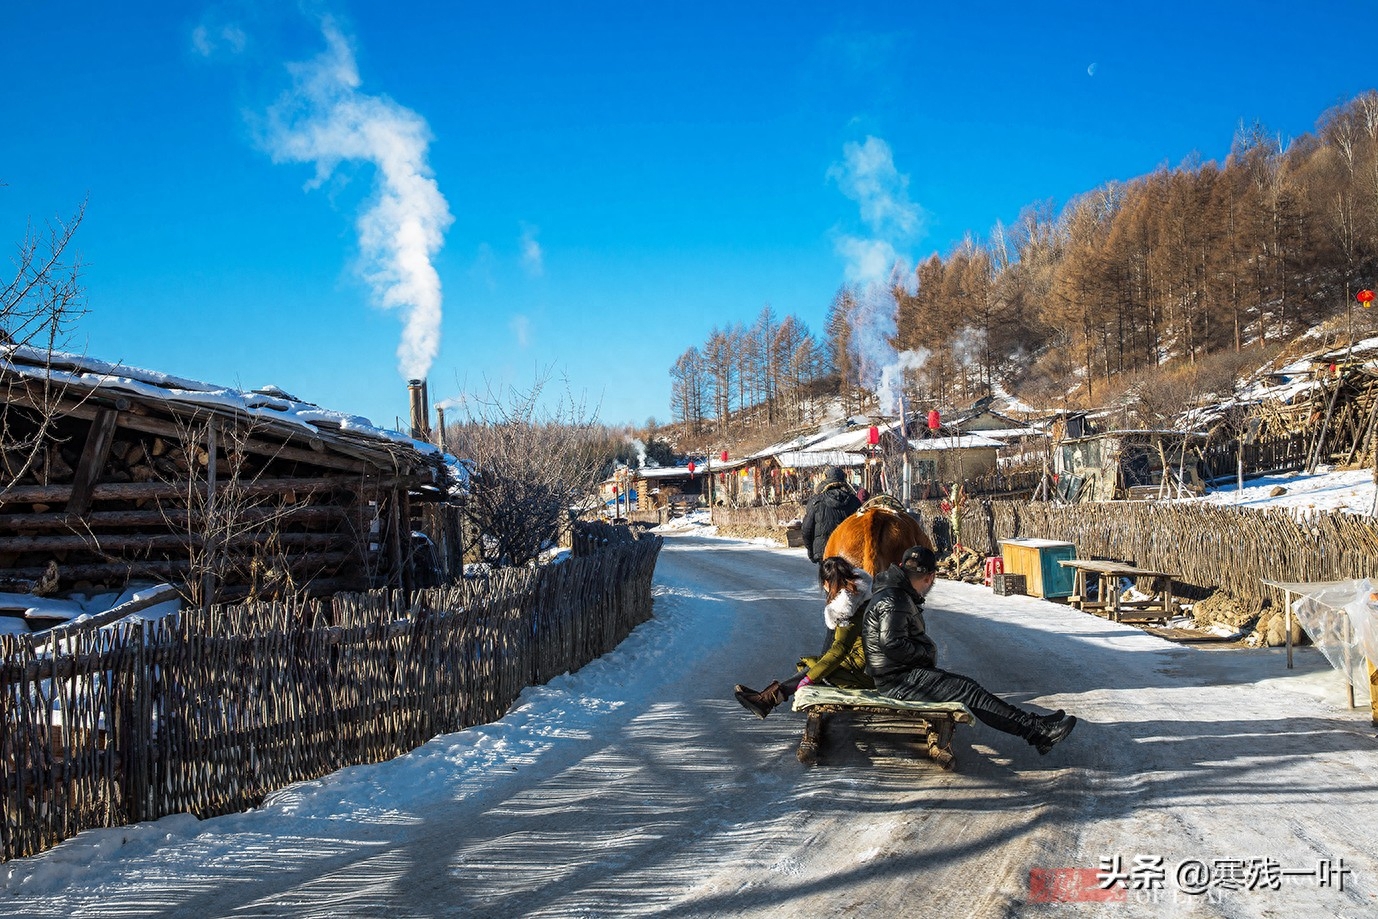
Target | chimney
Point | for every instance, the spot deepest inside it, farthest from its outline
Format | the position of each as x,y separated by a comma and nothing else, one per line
440,427
416,389
426,408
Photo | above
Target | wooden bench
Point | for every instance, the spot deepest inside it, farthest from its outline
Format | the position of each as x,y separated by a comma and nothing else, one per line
934,721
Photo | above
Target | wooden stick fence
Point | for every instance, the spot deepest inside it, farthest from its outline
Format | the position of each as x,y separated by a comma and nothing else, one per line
1210,547
209,712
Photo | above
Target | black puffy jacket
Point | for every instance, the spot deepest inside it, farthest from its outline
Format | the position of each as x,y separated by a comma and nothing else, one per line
826,510
892,629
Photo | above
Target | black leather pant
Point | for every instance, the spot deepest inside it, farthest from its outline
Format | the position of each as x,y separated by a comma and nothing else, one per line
924,685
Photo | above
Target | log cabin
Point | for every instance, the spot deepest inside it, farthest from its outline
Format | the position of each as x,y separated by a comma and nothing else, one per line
110,474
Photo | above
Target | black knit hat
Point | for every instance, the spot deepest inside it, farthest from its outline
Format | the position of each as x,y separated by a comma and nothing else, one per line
835,474
919,560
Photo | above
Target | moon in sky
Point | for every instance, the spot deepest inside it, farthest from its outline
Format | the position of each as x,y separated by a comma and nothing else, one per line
1091,71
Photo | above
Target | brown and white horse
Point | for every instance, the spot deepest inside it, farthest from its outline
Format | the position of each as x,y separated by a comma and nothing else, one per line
875,537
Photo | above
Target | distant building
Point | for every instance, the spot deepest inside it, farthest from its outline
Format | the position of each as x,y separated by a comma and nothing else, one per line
1129,465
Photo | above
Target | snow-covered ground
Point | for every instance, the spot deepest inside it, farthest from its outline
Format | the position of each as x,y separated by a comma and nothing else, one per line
1351,491
637,786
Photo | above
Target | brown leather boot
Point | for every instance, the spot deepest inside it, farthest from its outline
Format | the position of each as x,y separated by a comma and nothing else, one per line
760,703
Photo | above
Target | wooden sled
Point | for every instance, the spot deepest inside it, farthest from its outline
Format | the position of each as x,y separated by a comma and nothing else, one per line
935,721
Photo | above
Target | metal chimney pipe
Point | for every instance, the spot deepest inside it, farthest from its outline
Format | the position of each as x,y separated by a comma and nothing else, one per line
416,390
426,409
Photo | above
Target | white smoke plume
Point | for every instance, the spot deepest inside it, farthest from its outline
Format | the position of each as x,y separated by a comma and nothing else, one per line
874,267
968,346
892,378
868,176
873,325
324,119
640,447
873,328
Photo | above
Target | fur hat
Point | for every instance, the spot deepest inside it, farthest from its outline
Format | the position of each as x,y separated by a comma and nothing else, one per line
835,474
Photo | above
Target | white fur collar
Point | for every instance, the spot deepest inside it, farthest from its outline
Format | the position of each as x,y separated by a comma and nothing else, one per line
839,610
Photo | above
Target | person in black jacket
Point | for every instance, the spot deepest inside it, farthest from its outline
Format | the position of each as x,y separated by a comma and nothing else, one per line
832,505
903,659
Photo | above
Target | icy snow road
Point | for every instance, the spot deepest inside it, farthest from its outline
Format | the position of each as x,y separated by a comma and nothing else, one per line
638,787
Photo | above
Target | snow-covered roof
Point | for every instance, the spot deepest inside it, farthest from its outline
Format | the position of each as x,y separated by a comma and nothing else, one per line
1134,432
1364,350
1003,434
268,404
956,442
842,441
666,472
812,459
814,440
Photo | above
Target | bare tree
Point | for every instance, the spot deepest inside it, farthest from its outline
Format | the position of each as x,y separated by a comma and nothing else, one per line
533,464
39,303
688,392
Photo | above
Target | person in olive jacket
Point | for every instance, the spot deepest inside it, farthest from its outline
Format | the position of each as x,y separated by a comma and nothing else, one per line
832,505
843,663
903,659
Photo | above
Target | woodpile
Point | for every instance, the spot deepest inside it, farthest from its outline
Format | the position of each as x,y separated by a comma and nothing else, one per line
222,497
963,564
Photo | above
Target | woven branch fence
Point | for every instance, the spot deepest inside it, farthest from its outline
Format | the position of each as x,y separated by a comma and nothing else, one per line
207,714
1209,547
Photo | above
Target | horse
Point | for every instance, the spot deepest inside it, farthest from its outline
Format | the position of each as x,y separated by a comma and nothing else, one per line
875,537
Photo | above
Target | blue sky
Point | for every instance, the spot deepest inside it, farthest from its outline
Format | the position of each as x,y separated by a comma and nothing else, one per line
615,179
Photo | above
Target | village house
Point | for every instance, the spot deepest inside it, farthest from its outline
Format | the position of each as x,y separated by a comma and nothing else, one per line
1129,464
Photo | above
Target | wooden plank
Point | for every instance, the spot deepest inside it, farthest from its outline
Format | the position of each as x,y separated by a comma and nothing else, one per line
97,571
133,491
98,520
93,458
108,543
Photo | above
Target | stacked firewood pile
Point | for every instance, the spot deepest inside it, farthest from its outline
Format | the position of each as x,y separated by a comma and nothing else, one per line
962,564
224,498
145,511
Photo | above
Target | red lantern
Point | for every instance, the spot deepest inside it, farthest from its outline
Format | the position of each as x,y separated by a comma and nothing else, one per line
614,489
933,420
1365,297
724,456
691,470
873,436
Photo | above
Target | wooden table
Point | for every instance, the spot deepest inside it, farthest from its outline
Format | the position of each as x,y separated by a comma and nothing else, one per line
1161,605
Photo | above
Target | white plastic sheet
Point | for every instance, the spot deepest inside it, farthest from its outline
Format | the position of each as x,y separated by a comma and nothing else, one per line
1341,617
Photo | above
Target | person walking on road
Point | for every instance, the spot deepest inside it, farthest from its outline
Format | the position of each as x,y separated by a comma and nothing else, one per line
825,510
903,659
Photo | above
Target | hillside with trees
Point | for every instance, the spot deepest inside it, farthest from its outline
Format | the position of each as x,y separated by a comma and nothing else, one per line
1201,265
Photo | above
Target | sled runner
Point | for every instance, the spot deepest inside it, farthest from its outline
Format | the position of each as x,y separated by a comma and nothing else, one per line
935,721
